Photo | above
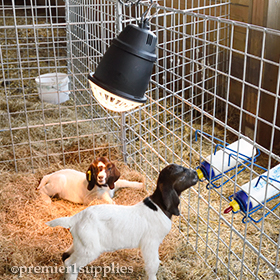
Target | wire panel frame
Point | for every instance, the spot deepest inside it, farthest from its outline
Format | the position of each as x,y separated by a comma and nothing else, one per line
202,85
39,39
214,79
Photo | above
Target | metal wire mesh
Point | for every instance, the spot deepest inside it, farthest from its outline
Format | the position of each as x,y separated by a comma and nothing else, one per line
207,84
32,43
193,93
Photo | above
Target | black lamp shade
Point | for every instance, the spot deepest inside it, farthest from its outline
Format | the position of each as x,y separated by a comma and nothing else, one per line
127,65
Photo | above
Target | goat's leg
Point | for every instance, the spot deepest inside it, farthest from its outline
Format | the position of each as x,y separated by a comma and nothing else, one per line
151,258
72,266
107,198
68,253
74,263
119,184
46,198
52,187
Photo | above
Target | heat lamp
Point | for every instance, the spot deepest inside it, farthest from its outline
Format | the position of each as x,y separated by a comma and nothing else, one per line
123,74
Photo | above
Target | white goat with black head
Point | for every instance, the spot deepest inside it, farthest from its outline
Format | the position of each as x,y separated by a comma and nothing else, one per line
103,228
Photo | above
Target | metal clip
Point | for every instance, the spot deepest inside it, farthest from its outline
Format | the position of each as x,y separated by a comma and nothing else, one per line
129,2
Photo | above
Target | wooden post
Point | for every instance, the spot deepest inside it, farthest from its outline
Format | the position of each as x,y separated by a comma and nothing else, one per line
257,12
267,14
269,82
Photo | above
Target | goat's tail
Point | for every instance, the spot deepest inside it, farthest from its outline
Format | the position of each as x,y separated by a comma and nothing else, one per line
63,222
43,182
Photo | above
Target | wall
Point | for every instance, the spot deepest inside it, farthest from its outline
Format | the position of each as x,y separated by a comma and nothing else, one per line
259,98
43,7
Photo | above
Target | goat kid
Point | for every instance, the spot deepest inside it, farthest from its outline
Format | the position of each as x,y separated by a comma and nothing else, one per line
103,228
100,181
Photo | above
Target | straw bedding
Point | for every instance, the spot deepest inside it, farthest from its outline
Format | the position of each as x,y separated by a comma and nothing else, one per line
25,240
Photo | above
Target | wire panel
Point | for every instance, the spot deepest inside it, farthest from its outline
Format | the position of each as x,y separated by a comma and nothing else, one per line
215,81
37,39
207,90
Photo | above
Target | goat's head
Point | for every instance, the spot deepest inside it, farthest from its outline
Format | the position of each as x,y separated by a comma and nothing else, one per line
102,172
172,181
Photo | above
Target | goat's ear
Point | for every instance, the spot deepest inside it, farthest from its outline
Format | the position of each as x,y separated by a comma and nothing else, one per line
114,176
91,177
170,199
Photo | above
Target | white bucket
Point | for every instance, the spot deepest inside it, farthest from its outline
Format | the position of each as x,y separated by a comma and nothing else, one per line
53,87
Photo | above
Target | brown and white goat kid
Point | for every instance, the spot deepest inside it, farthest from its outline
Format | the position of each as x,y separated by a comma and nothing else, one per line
103,228
100,181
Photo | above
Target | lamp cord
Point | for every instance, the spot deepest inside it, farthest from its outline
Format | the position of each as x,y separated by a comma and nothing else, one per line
129,2
144,18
